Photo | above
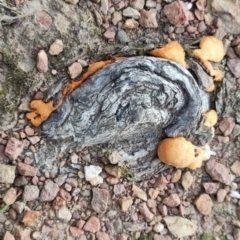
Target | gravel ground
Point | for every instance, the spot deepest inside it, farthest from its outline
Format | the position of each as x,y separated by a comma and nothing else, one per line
43,41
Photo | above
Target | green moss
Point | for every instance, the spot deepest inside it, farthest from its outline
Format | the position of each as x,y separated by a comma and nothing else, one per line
15,85
126,172
210,236
207,236
142,237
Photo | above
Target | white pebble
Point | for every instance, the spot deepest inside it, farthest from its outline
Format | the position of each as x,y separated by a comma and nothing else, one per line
91,172
234,186
158,227
234,194
188,5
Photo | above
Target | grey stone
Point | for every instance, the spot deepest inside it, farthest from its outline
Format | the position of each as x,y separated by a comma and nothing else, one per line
228,11
131,12
49,191
118,226
7,173
233,65
100,200
122,36
180,227
64,214
135,226
30,192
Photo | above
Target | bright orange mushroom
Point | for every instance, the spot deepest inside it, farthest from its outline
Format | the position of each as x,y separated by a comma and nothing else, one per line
210,118
180,153
211,49
41,110
210,88
172,51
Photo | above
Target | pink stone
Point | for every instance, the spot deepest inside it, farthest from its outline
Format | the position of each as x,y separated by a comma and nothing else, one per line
176,13
29,131
233,65
163,210
204,204
219,172
28,160
60,180
23,234
172,200
137,4
211,187
8,236
236,168
221,194
223,139
161,183
161,237
72,181
130,24
144,210
14,148
75,69
35,180
226,125
43,19
42,61
176,176
102,236
10,196
201,4
148,18
151,3
75,232
49,191
199,14
110,34
118,189
38,95
112,180
182,210
80,224
92,225
65,195
191,29
120,5
201,26
26,170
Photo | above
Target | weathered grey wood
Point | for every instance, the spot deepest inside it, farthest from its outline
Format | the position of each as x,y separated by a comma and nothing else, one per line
132,105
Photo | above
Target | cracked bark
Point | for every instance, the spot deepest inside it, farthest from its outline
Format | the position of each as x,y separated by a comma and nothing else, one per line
132,105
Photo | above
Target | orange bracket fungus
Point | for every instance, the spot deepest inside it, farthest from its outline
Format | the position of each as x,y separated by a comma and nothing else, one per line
172,51
41,110
180,153
211,49
211,88
210,118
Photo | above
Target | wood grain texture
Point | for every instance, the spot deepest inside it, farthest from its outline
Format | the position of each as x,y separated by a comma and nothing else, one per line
131,105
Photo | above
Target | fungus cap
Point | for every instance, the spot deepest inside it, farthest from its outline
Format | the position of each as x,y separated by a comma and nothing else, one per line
180,153
210,118
172,51
211,49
